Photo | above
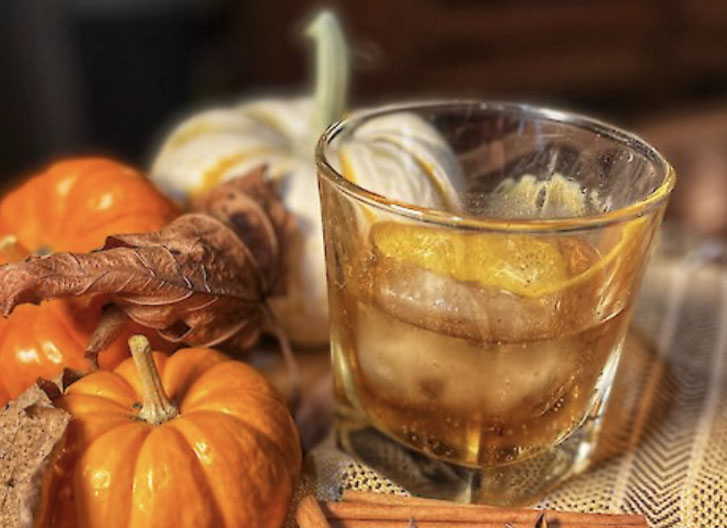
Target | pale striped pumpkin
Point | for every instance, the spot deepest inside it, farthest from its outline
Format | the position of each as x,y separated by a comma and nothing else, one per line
215,145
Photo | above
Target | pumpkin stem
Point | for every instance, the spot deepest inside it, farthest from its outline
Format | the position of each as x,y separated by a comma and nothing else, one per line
331,78
156,407
291,365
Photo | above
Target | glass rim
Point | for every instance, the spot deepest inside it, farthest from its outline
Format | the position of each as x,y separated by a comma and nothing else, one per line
485,223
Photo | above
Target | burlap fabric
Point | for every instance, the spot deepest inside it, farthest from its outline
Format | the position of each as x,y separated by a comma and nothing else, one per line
663,449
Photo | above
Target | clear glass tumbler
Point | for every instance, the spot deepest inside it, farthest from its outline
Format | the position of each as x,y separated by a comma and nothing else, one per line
483,261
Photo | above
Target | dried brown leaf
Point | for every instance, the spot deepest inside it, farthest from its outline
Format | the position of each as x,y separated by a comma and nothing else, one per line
108,329
31,431
255,213
54,388
201,280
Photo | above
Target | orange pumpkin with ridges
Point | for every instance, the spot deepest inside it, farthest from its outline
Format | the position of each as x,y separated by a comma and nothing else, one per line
192,439
72,206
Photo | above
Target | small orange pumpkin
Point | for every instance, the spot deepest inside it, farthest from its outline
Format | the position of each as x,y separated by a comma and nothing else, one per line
72,206
193,439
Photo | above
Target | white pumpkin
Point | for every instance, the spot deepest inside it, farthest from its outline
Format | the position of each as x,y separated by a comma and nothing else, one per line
215,145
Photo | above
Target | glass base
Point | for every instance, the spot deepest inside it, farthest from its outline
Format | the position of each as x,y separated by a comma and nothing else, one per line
518,484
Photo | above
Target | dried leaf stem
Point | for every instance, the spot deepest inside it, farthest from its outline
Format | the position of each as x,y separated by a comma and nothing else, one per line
291,365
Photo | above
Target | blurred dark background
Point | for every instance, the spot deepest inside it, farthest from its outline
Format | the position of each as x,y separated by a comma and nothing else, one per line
110,76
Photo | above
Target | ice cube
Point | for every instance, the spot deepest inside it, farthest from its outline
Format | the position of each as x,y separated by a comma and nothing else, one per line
475,311
434,371
485,287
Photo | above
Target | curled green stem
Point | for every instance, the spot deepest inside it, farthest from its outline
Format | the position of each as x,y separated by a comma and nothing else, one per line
332,71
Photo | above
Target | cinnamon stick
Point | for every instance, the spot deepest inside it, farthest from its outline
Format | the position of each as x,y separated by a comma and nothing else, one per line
371,497
409,523
414,522
310,515
363,510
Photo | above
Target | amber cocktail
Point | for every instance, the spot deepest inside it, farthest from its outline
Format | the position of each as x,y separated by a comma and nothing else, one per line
474,343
